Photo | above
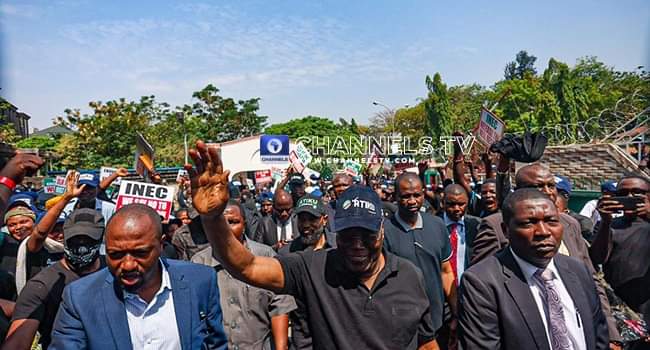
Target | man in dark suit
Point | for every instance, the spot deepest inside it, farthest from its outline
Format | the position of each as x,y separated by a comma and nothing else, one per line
140,301
281,227
491,237
462,228
528,296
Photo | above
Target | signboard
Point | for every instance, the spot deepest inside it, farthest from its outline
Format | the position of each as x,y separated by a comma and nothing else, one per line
352,168
298,166
303,154
143,156
105,172
50,186
490,128
264,176
250,184
158,197
274,148
182,173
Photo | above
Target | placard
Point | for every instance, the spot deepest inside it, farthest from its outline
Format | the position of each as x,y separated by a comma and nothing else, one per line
105,172
264,176
490,128
158,197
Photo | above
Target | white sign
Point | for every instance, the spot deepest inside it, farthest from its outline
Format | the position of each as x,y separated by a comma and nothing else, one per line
105,172
490,128
181,174
250,184
158,197
303,154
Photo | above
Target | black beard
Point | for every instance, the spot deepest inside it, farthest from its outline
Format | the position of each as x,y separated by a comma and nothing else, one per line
313,239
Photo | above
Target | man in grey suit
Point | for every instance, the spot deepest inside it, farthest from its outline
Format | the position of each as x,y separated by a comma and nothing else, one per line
528,296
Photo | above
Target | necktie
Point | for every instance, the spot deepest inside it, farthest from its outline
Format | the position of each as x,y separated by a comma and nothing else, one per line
554,315
453,239
283,232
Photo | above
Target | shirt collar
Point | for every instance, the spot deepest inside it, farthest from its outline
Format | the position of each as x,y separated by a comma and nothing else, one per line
529,269
406,226
449,221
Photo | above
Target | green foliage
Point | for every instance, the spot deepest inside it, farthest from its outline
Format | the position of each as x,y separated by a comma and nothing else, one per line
438,107
43,142
524,64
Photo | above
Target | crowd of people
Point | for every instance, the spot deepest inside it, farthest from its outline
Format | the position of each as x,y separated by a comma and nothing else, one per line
395,260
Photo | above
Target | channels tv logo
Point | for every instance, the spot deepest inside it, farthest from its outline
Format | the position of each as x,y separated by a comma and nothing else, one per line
274,148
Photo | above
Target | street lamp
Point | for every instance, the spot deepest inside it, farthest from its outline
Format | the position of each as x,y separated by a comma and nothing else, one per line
391,112
180,116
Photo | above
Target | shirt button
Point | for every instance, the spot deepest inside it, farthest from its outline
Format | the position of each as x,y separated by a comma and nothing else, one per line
233,324
233,300
236,347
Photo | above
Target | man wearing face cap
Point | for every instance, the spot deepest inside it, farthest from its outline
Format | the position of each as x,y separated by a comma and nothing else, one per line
39,301
358,295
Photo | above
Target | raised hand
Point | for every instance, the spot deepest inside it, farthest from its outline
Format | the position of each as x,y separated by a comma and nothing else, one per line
122,172
208,180
71,188
21,165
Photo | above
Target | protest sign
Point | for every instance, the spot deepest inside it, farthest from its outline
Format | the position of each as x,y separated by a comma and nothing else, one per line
352,168
143,156
50,186
105,172
158,197
182,173
250,184
298,166
303,154
490,128
263,177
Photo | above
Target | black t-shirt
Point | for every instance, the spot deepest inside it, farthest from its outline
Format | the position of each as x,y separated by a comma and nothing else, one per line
40,298
343,314
35,261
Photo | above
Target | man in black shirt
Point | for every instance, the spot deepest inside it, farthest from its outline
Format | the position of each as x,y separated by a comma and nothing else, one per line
39,301
358,295
314,235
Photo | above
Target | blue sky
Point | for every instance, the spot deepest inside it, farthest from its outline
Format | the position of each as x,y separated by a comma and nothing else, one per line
325,58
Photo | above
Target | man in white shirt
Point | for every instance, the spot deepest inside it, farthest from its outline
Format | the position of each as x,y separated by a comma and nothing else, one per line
528,296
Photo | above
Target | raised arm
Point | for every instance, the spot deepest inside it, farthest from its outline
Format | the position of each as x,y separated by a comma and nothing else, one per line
209,196
106,183
46,224
15,170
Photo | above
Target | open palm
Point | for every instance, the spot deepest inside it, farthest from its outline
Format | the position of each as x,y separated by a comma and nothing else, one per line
209,182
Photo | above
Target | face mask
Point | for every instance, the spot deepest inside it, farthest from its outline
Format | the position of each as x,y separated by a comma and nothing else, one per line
80,257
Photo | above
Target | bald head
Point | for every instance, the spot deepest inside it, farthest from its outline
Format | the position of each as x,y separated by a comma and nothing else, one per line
407,178
133,214
523,176
455,190
282,197
282,205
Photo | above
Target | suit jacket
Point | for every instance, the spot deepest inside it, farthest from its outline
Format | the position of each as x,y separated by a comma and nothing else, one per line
498,311
491,239
471,230
92,314
268,230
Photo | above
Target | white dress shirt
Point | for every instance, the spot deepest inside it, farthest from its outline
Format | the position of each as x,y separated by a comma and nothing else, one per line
288,230
153,326
571,315
462,243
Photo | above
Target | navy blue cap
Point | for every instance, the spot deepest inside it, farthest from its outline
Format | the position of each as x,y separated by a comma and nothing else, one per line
358,206
89,179
24,199
563,184
608,186
266,196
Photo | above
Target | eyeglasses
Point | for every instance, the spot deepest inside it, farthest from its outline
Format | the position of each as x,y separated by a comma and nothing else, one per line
634,192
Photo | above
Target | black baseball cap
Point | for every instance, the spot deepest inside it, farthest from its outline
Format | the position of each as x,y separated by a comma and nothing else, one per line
358,206
84,222
297,179
310,204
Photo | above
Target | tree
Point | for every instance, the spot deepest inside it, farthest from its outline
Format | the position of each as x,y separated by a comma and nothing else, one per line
438,108
223,118
522,65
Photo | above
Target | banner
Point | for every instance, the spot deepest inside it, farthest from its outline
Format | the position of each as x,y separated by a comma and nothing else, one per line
158,197
298,166
50,186
263,177
143,156
490,128
352,168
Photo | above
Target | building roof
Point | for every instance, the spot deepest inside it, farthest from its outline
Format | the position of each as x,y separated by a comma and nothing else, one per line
52,130
588,165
